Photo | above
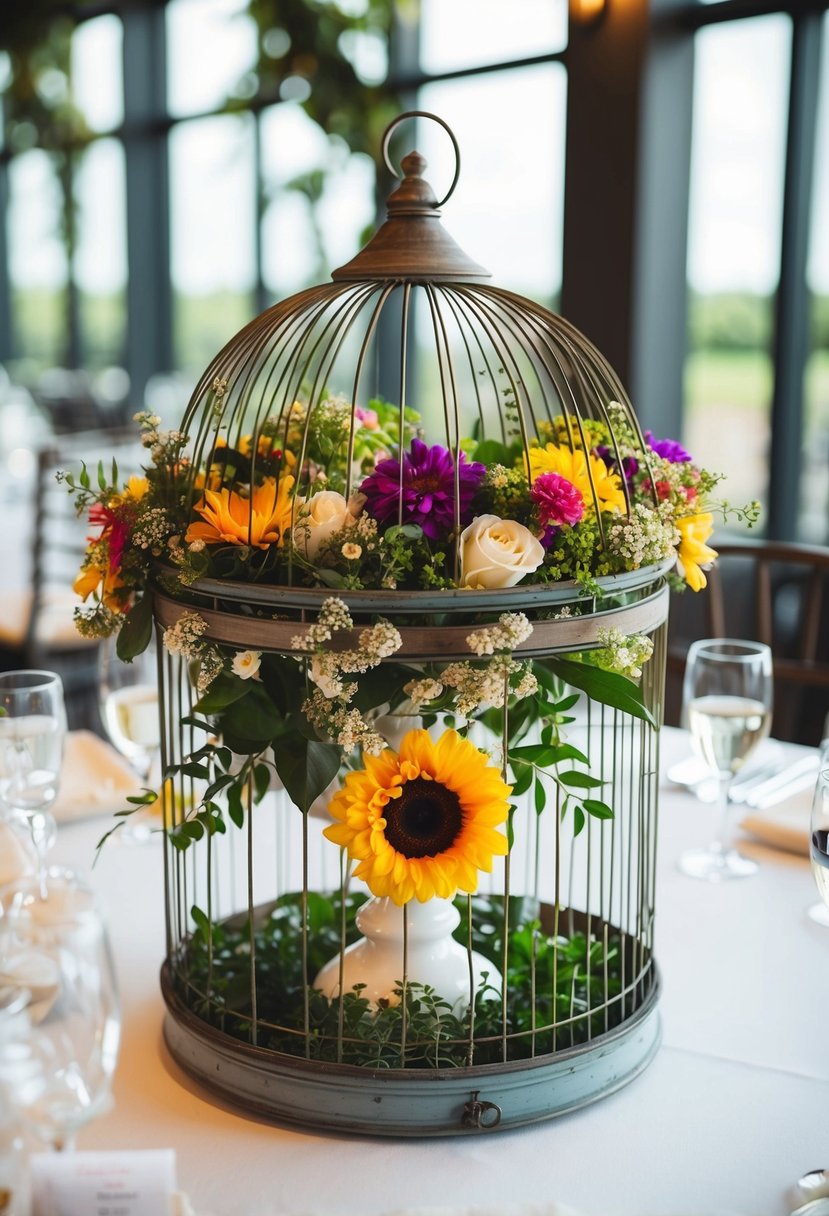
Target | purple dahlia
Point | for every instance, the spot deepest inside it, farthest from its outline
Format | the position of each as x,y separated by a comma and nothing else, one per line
427,494
630,465
668,449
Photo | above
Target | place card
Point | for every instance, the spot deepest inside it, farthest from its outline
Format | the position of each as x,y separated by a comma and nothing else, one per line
103,1184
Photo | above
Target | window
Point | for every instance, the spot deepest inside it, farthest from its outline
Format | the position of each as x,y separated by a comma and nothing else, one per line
739,130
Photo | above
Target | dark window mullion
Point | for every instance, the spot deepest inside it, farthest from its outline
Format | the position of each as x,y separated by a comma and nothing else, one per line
7,342
791,340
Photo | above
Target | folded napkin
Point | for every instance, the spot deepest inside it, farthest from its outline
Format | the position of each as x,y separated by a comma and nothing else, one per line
784,826
94,779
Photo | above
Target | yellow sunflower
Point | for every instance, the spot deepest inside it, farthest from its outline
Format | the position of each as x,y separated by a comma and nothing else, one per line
422,823
693,553
230,518
580,468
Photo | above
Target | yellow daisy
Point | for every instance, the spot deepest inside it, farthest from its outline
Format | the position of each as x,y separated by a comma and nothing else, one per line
230,518
693,553
423,822
580,468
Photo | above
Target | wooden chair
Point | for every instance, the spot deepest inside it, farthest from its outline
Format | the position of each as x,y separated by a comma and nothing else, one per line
36,619
767,592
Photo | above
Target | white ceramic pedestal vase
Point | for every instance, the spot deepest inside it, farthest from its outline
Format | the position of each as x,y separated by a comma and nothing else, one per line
434,958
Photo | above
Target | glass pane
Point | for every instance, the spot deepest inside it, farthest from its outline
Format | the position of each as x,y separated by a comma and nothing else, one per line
213,220
97,72
304,240
37,262
211,49
813,525
507,210
740,109
465,33
101,254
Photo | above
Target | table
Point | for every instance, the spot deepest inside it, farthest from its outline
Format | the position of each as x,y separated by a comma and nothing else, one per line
732,1110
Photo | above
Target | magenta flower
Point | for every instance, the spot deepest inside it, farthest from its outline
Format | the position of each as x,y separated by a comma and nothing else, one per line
558,500
668,449
427,494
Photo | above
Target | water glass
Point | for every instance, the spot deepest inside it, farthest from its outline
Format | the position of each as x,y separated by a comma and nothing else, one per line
727,704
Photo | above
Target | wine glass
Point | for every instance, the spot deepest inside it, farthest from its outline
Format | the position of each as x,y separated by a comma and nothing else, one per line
129,712
819,842
32,732
727,702
56,949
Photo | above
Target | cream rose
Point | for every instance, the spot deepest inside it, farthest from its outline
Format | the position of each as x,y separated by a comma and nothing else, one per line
246,664
497,552
318,519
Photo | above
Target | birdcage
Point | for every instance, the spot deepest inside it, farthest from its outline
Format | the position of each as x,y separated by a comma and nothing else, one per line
413,665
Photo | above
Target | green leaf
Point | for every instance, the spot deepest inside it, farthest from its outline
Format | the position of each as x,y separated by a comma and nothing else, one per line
198,723
305,768
578,821
510,831
540,796
523,778
234,805
606,687
102,481
191,769
253,717
223,691
84,477
579,781
136,631
201,921
490,451
599,810
331,578
261,780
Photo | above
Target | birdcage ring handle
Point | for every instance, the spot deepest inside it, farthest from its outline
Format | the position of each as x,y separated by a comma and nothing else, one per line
423,114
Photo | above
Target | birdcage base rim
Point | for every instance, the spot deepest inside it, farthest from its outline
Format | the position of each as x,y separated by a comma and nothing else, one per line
320,1096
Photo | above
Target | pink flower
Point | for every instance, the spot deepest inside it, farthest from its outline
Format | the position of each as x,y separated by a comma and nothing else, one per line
368,418
558,500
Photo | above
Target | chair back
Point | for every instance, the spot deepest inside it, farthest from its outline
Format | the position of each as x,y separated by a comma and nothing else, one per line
771,592
47,637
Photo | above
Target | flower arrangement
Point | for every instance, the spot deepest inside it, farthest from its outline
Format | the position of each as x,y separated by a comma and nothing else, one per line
579,503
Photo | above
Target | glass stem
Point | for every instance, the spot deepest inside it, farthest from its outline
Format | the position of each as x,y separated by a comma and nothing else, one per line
722,840
42,828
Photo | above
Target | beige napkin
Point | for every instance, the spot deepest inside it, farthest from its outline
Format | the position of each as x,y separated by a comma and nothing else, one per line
784,826
94,779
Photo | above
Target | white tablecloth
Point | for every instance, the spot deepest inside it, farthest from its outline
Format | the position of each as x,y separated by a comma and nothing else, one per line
734,1107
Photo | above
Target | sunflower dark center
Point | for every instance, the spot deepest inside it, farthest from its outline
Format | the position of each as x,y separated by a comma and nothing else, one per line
425,820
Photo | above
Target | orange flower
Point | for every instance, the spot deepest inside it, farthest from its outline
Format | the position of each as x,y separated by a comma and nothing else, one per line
105,582
260,520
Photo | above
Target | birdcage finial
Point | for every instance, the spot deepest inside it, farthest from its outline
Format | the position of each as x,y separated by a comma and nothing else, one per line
412,244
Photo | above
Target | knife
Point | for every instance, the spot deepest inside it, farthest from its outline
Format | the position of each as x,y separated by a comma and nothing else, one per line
791,780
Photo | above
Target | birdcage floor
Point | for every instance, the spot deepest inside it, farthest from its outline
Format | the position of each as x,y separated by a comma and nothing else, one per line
569,979
373,1077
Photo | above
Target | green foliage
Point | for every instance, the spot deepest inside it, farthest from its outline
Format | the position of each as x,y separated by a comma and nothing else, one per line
548,978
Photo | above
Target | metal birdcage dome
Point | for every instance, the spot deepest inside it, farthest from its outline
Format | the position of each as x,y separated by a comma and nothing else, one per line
311,397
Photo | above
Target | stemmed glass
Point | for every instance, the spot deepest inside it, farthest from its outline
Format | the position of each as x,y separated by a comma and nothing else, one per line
32,731
727,703
56,949
129,711
129,705
819,843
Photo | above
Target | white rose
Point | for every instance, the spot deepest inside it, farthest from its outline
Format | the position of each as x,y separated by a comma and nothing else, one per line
497,552
246,664
318,519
